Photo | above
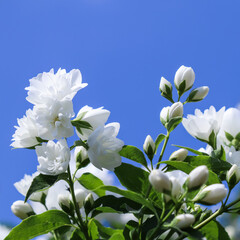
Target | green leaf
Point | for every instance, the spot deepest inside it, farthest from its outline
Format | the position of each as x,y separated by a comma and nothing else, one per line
42,182
106,232
117,236
159,139
100,210
133,178
120,204
91,182
173,123
79,143
77,235
214,231
93,230
229,136
133,154
130,195
191,150
39,224
214,164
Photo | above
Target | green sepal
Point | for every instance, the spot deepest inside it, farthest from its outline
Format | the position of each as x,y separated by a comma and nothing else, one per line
173,123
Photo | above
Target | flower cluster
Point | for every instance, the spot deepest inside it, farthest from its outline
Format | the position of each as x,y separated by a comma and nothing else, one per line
160,199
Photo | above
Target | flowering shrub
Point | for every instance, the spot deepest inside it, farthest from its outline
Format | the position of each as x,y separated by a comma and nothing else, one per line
160,198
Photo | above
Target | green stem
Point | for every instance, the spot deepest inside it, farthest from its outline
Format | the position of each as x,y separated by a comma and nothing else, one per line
82,224
163,149
206,221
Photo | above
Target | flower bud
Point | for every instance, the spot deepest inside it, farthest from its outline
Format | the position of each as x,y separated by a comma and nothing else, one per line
160,181
198,94
22,209
197,177
80,197
149,147
212,194
164,115
176,110
179,155
184,79
176,187
64,202
233,175
88,203
81,155
183,220
165,88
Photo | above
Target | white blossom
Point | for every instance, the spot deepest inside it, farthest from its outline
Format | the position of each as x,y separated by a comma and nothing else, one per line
24,184
64,200
212,194
198,176
179,155
59,86
27,131
164,115
54,119
201,124
233,156
149,146
4,231
80,197
176,110
184,220
104,147
22,209
160,181
184,74
233,175
95,117
53,157
230,124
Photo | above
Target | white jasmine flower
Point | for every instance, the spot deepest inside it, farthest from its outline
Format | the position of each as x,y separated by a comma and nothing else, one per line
104,147
53,157
4,231
27,131
198,176
54,119
230,124
165,85
233,156
95,117
179,155
23,185
201,124
59,86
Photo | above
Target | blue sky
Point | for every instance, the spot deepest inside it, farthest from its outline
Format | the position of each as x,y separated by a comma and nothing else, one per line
122,49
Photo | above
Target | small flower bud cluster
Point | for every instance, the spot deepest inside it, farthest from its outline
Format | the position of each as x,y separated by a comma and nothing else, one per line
183,81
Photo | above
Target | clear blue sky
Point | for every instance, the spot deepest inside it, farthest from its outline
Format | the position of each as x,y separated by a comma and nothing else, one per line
122,48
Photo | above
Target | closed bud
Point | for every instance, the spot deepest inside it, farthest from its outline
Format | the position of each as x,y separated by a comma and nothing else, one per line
22,209
88,203
81,155
176,187
65,203
198,94
160,181
183,220
165,88
212,194
179,155
184,79
176,110
233,176
164,115
149,147
80,197
197,177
